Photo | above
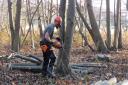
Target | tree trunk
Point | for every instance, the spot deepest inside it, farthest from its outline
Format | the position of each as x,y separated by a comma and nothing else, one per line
15,38
120,45
86,43
39,22
11,22
100,12
2,10
50,11
117,26
62,32
17,25
127,5
31,19
108,24
57,7
63,67
43,14
85,22
97,36
30,24
69,33
92,31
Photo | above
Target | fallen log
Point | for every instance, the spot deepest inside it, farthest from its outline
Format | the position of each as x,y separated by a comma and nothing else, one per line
86,68
32,56
31,59
26,67
99,65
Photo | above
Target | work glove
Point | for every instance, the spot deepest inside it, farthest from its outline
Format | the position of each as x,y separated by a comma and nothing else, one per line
58,39
57,43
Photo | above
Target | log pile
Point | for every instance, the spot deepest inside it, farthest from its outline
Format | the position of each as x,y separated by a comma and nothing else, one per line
35,65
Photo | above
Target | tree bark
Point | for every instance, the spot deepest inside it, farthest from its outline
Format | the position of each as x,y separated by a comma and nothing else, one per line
17,25
39,22
97,36
108,43
94,30
11,22
65,70
50,11
15,38
120,45
84,20
69,33
100,12
62,33
117,26
127,5
86,43
1,14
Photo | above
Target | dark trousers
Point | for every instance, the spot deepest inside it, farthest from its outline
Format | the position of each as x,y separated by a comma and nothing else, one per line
49,60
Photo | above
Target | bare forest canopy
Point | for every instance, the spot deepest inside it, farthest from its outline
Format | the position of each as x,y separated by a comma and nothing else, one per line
100,24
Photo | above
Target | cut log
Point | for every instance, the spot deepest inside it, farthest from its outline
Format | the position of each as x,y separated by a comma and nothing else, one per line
26,67
88,65
86,68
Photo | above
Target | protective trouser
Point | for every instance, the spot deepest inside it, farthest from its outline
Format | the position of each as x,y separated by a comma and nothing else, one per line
49,60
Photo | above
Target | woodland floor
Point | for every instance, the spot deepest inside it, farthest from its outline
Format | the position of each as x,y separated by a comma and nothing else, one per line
78,55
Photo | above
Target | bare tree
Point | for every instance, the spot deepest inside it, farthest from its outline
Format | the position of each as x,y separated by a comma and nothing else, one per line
84,21
108,41
15,38
69,33
30,19
68,38
94,29
117,25
100,12
50,11
86,43
1,14
127,5
43,12
39,22
62,33
98,39
120,44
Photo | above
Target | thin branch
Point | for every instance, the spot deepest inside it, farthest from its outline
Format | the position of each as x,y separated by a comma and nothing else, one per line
31,22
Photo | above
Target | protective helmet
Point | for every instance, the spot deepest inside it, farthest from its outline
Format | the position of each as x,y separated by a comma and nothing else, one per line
58,20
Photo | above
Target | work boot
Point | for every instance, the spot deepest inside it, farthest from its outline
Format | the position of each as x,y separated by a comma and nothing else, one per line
49,72
44,74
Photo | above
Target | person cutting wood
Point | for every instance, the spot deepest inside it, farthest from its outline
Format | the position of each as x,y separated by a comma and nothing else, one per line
47,42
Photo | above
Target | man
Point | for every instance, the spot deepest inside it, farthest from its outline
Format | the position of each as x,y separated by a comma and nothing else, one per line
46,44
